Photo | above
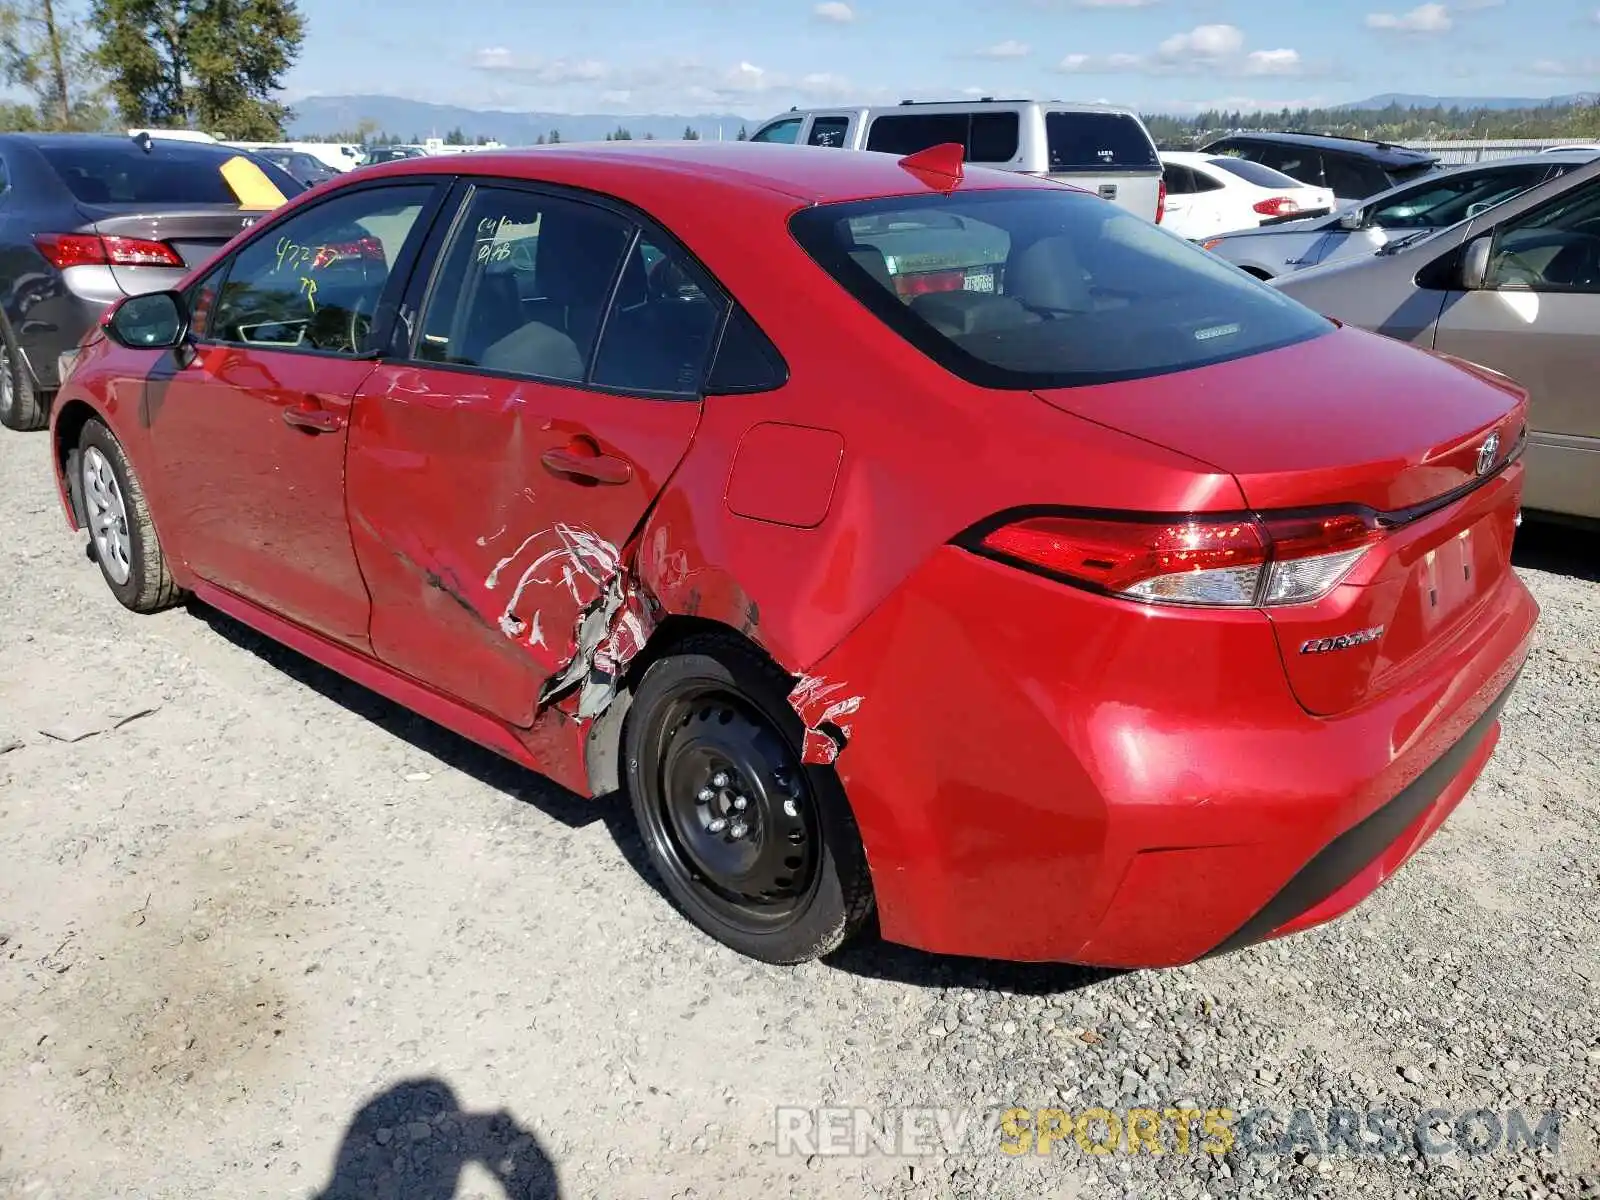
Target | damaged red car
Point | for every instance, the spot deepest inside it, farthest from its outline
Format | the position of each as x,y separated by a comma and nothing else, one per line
939,548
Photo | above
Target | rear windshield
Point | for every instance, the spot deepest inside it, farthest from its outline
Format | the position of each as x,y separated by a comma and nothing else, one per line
1091,141
1029,288
171,173
1254,172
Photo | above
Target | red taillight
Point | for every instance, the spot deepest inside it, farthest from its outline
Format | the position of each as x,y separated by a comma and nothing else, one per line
1278,206
930,281
1161,201
63,250
1237,562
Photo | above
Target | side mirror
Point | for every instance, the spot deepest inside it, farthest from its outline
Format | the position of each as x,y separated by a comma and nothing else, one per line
1352,219
1475,263
153,321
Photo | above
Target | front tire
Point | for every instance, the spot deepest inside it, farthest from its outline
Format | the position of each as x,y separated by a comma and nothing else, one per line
758,849
21,406
122,537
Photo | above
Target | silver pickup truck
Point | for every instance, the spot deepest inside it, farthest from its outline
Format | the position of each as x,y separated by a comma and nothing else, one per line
1100,148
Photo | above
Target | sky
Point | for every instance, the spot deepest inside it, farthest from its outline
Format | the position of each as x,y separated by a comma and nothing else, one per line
757,57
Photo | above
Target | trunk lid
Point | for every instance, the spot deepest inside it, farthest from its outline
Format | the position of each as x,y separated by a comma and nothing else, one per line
195,232
1353,419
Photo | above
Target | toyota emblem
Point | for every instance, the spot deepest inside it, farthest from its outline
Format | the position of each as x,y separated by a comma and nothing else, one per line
1487,453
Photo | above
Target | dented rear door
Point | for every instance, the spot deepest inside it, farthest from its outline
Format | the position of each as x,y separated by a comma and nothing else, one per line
496,475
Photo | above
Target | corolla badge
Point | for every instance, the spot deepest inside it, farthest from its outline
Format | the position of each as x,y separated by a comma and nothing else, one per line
1344,641
1487,453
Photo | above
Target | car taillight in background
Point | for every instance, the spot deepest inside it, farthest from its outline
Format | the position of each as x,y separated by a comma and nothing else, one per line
1277,206
1161,201
63,250
1243,562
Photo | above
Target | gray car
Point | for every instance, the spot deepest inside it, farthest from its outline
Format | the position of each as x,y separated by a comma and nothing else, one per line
1515,289
1435,202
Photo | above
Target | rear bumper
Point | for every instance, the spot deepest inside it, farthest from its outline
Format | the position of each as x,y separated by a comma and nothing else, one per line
1044,774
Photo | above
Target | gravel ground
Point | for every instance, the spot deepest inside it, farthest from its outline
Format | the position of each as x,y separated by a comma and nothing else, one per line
264,934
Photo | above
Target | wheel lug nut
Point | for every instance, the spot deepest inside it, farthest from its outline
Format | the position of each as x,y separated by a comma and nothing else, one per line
740,804
739,829
706,795
718,825
720,779
790,809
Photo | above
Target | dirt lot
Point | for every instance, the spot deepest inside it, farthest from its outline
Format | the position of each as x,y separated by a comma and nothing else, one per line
274,937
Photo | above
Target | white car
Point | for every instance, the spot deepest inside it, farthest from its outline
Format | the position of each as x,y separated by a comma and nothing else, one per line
1208,194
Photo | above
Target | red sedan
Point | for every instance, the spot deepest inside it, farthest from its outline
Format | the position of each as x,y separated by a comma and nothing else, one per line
951,546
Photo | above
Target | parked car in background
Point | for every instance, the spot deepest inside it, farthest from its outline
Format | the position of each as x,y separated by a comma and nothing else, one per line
576,452
1591,146
1099,148
1349,167
1209,194
86,220
340,156
383,154
306,168
1435,202
1516,290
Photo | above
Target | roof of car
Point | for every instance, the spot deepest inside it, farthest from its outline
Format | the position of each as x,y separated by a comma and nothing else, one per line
1385,153
810,174
92,141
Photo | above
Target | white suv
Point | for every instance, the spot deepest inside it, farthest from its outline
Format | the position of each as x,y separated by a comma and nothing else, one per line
1097,147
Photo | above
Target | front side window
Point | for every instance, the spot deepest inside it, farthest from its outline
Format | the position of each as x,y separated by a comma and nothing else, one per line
314,282
1555,248
1029,288
523,285
785,131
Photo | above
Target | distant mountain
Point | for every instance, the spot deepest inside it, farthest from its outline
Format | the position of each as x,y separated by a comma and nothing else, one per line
322,115
1493,103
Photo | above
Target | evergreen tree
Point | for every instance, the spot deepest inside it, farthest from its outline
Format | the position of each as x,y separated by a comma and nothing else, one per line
744,135
215,65
689,134
44,49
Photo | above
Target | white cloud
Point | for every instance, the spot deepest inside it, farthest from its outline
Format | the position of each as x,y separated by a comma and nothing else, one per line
1578,68
836,11
1011,48
665,84
1425,18
1217,50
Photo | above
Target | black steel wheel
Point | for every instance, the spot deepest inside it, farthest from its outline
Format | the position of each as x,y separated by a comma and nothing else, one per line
758,849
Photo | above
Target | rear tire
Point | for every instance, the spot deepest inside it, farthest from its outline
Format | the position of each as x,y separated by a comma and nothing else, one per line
22,407
122,537
755,847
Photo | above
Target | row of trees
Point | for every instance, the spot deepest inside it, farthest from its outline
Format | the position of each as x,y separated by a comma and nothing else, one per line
1394,123
214,65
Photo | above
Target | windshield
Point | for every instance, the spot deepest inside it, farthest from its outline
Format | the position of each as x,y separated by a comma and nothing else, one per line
1443,202
170,173
1030,288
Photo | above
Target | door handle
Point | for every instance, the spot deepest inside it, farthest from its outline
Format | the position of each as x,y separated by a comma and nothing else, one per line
316,420
597,468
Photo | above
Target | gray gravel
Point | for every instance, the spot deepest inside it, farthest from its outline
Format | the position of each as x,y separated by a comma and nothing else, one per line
262,934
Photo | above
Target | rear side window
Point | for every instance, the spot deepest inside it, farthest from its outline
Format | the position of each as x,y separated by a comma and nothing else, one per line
1091,141
1354,177
523,285
1028,288
171,173
828,131
1253,172
991,137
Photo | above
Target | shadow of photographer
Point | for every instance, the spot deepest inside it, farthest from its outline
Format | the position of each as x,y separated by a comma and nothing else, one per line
412,1142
